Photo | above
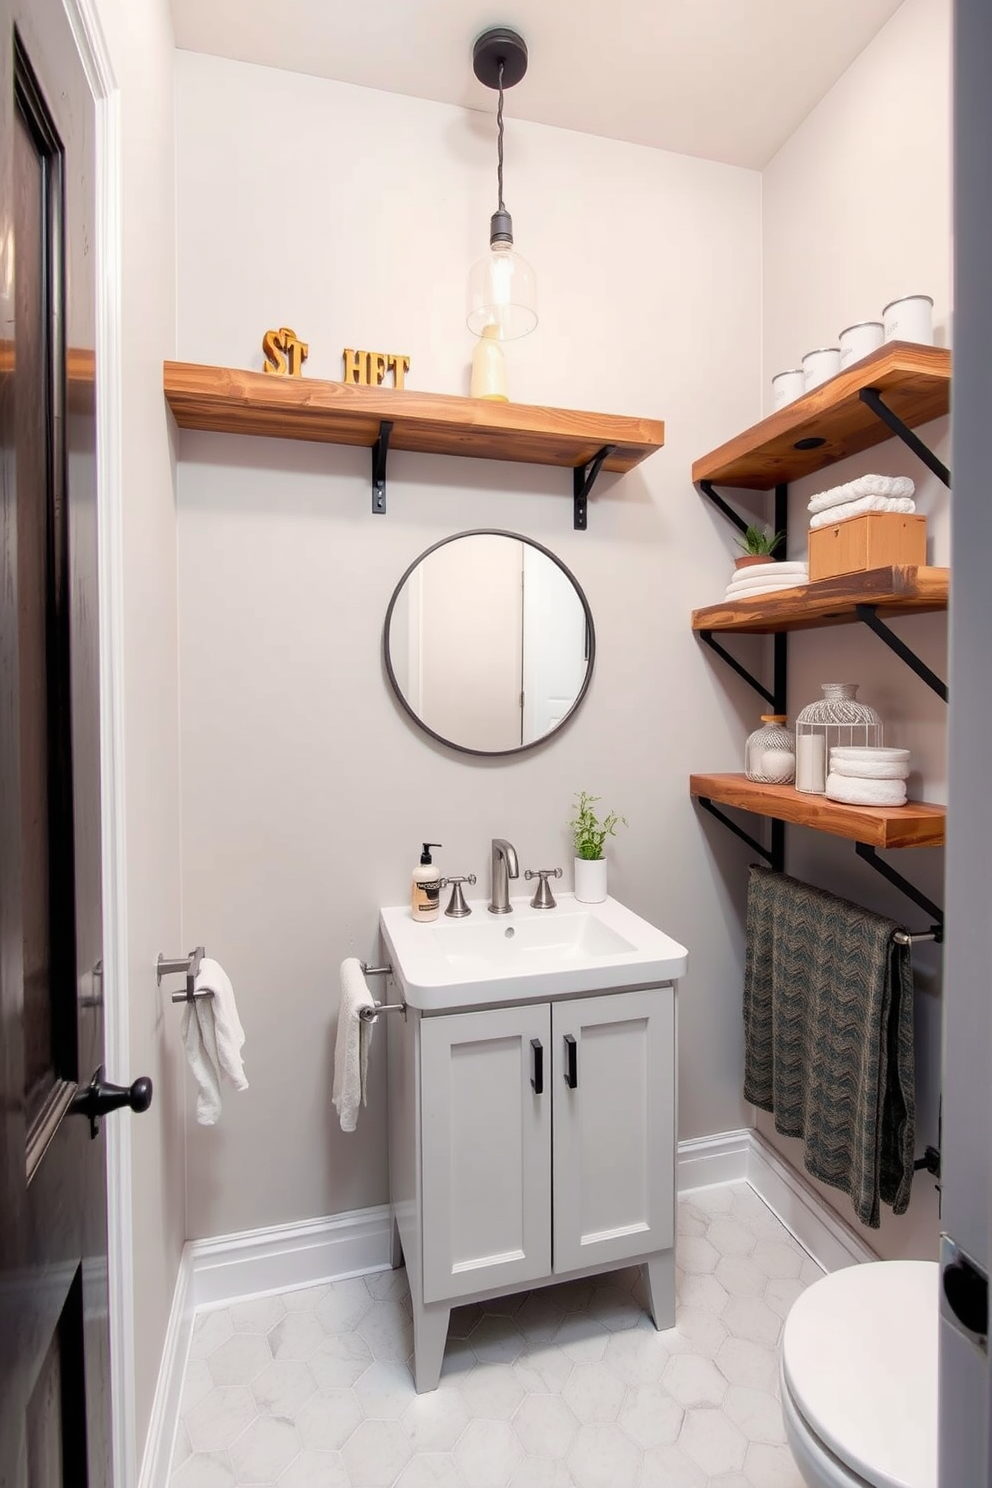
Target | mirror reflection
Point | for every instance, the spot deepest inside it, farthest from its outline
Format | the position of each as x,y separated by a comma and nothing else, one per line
489,642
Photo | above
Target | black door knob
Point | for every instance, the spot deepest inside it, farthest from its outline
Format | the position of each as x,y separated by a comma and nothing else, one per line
100,1096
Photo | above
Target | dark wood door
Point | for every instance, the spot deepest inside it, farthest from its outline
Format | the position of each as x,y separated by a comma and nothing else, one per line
54,1365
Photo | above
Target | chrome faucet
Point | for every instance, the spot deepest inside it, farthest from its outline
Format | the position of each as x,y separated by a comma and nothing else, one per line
504,867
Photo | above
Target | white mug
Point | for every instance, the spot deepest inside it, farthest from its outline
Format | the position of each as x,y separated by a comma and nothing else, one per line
909,319
787,387
820,365
857,341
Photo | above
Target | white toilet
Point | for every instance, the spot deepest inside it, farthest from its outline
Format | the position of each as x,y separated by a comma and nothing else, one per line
859,1377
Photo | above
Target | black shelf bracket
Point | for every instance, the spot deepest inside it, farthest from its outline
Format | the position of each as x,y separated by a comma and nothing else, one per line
379,452
869,615
728,511
706,636
929,1162
774,856
868,855
881,410
583,480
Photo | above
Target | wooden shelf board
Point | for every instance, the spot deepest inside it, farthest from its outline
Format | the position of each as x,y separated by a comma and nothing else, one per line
226,400
917,824
893,591
915,382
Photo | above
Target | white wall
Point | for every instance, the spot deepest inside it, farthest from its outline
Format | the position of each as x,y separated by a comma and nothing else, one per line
353,216
856,211
139,38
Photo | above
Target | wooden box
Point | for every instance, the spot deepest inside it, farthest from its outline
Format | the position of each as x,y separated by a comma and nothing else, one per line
875,540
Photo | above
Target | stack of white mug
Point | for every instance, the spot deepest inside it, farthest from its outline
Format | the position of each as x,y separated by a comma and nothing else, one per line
908,319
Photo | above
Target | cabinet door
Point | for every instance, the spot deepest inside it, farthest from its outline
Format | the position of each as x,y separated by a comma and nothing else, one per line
614,1128
486,1135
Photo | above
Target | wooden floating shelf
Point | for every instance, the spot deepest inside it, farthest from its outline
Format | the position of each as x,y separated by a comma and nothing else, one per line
917,824
914,381
892,591
225,400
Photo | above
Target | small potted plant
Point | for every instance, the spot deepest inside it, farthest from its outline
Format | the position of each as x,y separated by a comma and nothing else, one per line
589,833
758,545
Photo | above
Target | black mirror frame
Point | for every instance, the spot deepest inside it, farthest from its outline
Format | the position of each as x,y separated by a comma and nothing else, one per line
590,643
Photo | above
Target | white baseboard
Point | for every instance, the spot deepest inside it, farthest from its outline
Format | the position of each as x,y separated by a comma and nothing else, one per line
214,1273
159,1442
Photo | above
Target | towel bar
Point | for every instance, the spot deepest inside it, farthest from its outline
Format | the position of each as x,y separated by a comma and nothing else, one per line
370,1014
190,966
376,970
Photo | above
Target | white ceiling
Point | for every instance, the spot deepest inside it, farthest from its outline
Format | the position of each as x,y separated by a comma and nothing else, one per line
724,79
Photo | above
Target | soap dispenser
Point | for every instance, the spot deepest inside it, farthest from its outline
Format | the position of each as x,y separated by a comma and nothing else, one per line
425,900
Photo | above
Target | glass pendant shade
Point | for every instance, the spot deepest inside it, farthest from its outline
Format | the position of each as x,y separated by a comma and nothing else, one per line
502,292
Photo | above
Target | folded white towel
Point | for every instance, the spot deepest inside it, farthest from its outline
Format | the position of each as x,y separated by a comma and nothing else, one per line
351,1046
892,486
868,769
903,504
866,792
738,595
770,575
214,1038
870,751
785,567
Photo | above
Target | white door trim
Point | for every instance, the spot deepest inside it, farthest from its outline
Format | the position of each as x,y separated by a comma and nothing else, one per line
94,53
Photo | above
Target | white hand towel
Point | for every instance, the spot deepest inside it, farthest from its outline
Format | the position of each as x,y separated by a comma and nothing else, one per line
214,1038
739,595
351,1046
767,576
894,486
904,504
760,570
868,769
866,792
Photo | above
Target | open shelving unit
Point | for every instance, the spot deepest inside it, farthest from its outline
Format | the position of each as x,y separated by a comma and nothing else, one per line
888,393
227,400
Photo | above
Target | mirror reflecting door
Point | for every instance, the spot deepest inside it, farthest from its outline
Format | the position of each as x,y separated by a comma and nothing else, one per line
489,642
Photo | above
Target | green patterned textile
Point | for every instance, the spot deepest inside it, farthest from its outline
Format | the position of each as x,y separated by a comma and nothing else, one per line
828,1037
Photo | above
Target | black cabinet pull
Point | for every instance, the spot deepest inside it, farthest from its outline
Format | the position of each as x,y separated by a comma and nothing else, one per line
537,1078
571,1067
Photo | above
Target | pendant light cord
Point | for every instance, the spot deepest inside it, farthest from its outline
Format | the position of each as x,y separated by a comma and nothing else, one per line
499,138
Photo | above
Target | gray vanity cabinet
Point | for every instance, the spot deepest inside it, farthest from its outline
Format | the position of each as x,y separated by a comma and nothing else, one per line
532,1143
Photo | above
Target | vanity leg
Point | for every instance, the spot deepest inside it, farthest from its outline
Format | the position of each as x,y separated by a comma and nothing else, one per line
430,1333
395,1244
659,1279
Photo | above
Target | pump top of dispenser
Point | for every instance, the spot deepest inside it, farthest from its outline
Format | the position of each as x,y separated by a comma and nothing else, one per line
425,856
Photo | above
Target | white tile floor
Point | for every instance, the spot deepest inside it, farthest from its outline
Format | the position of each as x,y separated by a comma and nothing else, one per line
567,1387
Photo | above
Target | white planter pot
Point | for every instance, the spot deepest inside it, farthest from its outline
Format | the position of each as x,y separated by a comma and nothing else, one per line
590,880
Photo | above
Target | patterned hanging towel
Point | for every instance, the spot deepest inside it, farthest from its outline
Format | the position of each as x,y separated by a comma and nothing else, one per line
828,1037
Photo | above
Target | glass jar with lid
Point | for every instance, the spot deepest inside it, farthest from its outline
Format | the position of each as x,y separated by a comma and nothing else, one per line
770,752
836,718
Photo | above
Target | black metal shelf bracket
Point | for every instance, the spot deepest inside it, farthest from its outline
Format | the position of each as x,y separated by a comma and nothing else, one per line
774,856
379,452
728,511
868,854
583,480
706,636
881,410
869,615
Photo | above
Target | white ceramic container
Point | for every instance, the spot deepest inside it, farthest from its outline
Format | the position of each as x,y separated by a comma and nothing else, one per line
590,880
820,365
909,319
857,341
787,387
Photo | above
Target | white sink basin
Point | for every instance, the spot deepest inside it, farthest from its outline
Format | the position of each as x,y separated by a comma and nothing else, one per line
526,955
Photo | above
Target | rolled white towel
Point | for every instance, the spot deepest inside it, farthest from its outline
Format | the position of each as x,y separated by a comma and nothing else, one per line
351,1046
870,751
903,504
868,769
895,486
737,595
855,792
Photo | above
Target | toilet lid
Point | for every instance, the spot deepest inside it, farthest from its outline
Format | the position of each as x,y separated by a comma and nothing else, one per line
859,1357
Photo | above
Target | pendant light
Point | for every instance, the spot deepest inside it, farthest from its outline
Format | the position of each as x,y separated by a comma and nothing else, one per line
502,292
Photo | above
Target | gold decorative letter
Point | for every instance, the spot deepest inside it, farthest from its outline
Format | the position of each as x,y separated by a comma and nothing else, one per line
298,352
398,365
274,352
377,367
355,366
284,352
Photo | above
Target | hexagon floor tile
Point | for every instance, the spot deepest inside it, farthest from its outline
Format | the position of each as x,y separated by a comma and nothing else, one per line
566,1387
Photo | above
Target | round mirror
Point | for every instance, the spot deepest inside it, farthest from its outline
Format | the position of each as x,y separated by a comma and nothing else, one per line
489,642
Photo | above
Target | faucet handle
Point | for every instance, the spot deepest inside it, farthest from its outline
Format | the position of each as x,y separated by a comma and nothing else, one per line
543,897
457,907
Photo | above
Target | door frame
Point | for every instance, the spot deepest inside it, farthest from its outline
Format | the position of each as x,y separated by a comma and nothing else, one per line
94,53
